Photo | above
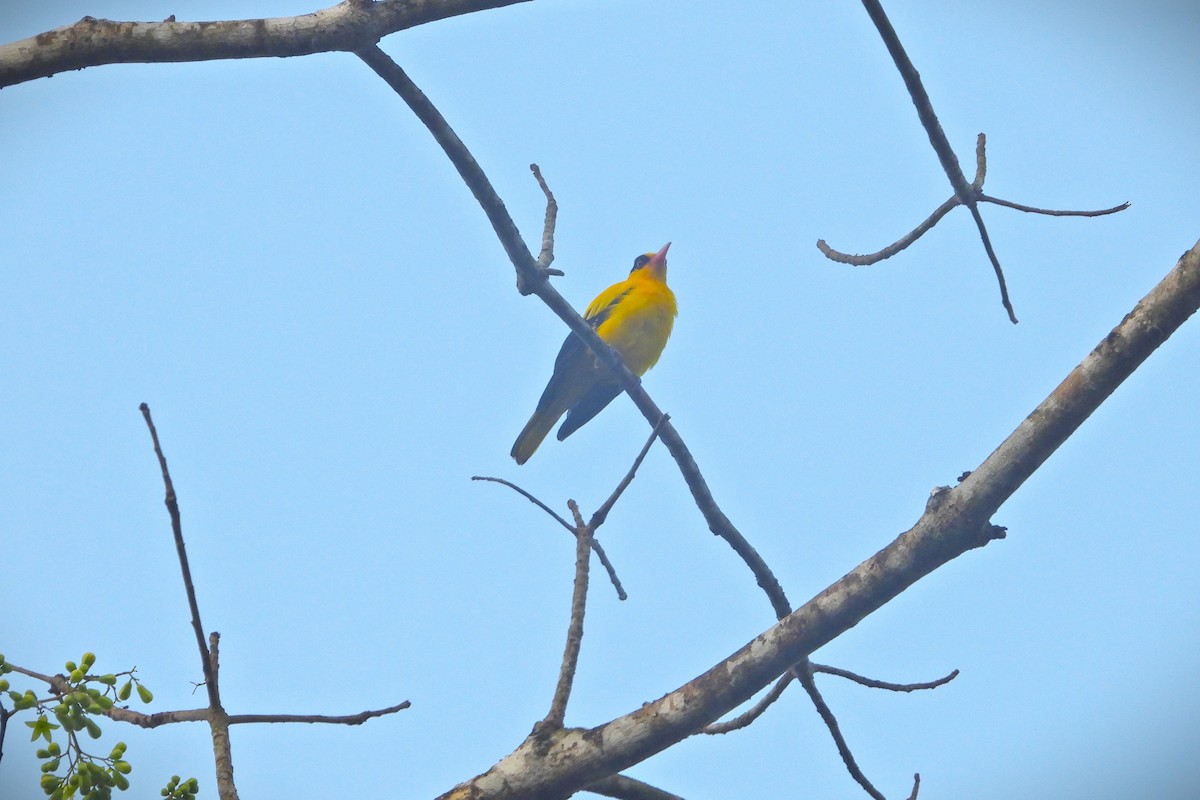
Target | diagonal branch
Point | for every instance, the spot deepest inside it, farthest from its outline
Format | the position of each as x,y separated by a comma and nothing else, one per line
959,522
172,503
347,26
532,280
602,512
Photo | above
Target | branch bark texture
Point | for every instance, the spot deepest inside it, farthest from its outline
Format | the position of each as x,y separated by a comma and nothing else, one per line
347,26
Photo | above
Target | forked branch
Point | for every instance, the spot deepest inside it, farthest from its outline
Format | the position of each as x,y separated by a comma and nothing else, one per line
965,194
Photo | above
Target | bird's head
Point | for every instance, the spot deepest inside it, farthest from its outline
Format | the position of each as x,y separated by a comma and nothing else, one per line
654,263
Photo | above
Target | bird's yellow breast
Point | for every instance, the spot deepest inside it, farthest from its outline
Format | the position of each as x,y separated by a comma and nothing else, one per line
640,317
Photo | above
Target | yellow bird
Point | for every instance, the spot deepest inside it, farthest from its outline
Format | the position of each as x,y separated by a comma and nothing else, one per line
635,318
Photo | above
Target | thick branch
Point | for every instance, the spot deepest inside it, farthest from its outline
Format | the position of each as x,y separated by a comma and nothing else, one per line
958,522
347,26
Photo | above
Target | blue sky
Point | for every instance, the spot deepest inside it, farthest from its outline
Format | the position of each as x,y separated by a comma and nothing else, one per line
277,258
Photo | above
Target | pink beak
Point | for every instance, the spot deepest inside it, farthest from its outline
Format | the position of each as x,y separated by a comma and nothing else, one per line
660,257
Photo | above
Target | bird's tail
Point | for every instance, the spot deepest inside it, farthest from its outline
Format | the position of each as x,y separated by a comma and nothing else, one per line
535,431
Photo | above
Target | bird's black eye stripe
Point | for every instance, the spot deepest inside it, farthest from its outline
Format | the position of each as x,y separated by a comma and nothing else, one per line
640,262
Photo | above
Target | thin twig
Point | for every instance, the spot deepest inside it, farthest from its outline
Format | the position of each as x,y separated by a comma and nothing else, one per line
528,274
867,259
916,786
172,503
602,513
623,787
876,684
894,248
570,660
546,257
528,497
600,554
980,162
346,719
742,720
1050,212
806,680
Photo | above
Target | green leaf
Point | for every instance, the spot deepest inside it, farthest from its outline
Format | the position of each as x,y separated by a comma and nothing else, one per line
41,728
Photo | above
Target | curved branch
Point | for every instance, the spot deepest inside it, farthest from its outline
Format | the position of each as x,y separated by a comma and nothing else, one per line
871,683
1050,212
347,26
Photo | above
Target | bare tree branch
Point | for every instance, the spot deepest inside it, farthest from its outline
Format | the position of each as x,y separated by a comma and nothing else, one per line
759,708
532,280
626,788
600,554
976,192
546,257
218,721
875,684
937,137
602,512
345,719
347,26
1051,212
574,758
172,503
570,660
805,676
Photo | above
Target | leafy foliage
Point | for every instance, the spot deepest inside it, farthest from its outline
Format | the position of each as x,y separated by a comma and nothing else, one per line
80,699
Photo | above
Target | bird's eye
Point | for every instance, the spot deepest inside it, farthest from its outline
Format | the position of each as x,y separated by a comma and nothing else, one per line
640,262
